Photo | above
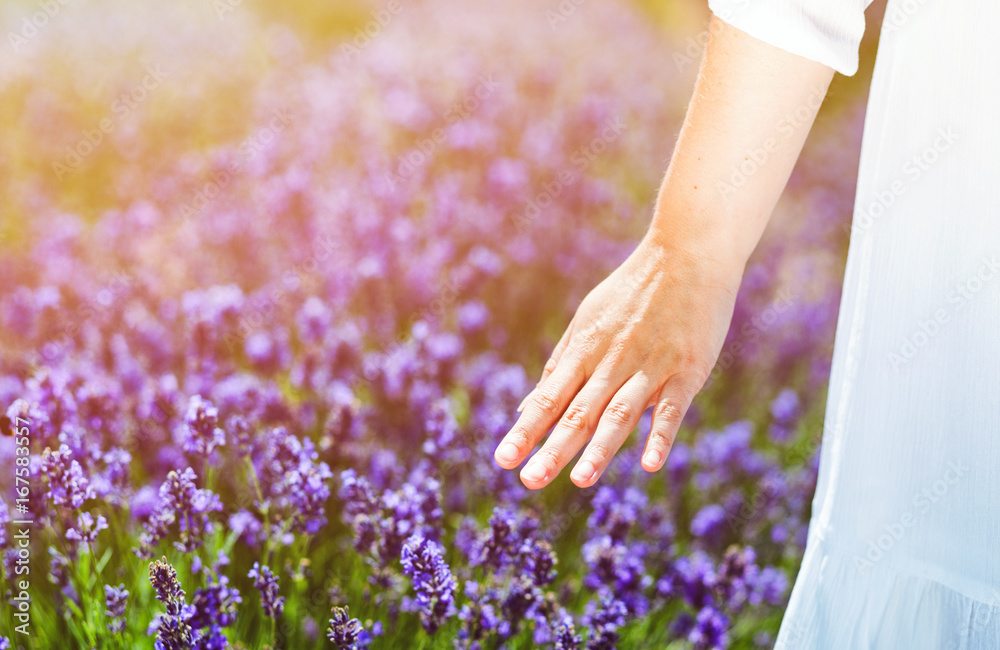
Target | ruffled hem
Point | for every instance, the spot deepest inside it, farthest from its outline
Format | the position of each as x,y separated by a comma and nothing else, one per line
841,603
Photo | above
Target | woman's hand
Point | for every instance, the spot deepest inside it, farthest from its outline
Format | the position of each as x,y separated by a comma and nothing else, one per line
650,333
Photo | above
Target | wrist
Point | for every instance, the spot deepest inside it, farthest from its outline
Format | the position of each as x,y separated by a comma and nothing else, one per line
704,247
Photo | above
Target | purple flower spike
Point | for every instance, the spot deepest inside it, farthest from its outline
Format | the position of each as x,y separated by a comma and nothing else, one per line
566,636
201,433
344,630
500,543
172,629
86,528
215,605
604,618
540,561
424,563
267,584
709,632
167,588
709,524
67,483
183,504
115,600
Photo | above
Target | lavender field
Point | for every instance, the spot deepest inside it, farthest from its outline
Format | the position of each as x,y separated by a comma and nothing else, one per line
272,286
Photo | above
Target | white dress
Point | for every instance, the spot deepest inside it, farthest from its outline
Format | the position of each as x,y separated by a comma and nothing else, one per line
904,542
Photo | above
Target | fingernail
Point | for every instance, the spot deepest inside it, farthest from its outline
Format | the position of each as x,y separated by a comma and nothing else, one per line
652,458
584,470
533,473
507,452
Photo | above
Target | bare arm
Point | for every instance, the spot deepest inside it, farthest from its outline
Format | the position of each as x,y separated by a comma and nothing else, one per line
651,332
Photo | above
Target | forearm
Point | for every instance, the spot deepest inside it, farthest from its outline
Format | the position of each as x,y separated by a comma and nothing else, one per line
751,110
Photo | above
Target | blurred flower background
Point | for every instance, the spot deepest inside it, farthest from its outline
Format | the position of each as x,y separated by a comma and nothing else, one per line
275,278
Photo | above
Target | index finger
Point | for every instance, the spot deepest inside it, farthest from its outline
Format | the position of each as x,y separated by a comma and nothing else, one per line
545,406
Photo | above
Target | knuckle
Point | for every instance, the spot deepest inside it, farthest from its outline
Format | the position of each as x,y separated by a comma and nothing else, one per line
547,457
550,365
576,418
620,413
598,451
661,438
547,402
667,415
519,438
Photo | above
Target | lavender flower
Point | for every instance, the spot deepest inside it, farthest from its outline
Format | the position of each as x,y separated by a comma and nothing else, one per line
604,617
478,615
247,526
201,433
615,513
59,573
19,411
172,629
183,504
709,524
267,584
116,474
215,605
517,604
709,632
239,433
357,495
500,543
384,524
167,588
770,587
115,600
566,636
620,568
86,528
67,483
540,561
306,490
694,579
424,563
344,630
785,406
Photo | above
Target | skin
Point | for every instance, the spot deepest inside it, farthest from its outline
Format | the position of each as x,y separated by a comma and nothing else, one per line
651,332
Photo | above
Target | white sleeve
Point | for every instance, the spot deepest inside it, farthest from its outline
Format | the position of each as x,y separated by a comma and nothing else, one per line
827,31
